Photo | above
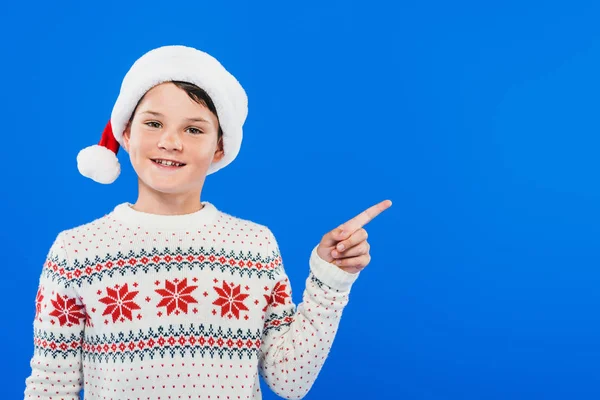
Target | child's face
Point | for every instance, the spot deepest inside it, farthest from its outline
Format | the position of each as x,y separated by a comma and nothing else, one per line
169,125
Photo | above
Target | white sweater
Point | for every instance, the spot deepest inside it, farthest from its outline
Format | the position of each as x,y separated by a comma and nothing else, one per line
144,306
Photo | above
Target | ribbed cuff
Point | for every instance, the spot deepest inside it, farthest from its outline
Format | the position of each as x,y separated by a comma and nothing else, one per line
331,274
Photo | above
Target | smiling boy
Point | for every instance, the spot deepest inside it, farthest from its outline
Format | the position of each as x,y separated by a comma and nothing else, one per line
170,297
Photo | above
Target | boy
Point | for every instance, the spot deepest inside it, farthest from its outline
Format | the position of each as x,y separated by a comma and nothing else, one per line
171,298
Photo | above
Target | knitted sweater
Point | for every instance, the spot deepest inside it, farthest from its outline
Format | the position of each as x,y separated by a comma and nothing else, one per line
143,306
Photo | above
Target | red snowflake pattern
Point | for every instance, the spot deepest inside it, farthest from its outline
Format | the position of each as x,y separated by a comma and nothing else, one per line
231,300
120,303
278,296
67,310
38,302
88,319
176,296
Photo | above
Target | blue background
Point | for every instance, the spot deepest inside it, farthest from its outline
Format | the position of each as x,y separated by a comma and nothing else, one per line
479,121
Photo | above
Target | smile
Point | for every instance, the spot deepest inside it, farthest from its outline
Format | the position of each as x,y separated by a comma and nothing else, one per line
168,163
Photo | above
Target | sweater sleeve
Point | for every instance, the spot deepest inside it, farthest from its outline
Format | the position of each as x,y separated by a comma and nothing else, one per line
297,340
58,327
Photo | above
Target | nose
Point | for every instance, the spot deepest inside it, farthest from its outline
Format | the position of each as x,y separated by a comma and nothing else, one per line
170,141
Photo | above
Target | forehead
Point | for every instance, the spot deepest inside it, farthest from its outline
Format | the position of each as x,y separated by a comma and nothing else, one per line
168,96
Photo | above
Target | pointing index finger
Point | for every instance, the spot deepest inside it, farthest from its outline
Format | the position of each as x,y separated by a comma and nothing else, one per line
365,217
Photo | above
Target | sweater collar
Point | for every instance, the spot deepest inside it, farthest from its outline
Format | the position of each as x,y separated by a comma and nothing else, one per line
129,216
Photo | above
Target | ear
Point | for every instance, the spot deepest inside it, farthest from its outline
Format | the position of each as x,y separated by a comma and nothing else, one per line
127,137
219,153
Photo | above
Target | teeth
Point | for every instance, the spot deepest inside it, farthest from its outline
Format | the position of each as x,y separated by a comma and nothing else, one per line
168,163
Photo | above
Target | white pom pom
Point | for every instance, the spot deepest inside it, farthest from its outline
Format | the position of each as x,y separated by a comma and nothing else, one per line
99,164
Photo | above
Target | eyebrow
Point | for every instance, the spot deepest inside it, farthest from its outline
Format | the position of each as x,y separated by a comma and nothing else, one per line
157,114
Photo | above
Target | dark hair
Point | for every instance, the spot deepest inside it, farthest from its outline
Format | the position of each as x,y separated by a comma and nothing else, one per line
197,94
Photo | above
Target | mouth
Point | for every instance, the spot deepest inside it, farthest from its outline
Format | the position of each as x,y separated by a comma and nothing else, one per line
171,164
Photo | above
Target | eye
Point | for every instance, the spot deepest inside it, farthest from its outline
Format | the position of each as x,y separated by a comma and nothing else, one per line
194,131
153,124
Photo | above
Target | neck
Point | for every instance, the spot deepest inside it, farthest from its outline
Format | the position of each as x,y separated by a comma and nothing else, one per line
199,220
153,202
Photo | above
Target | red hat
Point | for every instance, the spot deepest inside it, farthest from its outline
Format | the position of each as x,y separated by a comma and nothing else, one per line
103,155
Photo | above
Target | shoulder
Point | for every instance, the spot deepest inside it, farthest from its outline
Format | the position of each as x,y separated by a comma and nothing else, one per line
60,254
248,227
101,223
252,231
95,227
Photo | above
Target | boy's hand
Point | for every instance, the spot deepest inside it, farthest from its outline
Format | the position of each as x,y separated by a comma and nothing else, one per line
346,246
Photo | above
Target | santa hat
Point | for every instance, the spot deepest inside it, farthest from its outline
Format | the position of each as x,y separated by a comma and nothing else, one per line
168,63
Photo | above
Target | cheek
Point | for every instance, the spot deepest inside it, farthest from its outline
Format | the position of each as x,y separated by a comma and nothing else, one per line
205,156
138,147
202,150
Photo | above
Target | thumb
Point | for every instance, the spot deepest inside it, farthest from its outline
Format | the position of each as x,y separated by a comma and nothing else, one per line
334,237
